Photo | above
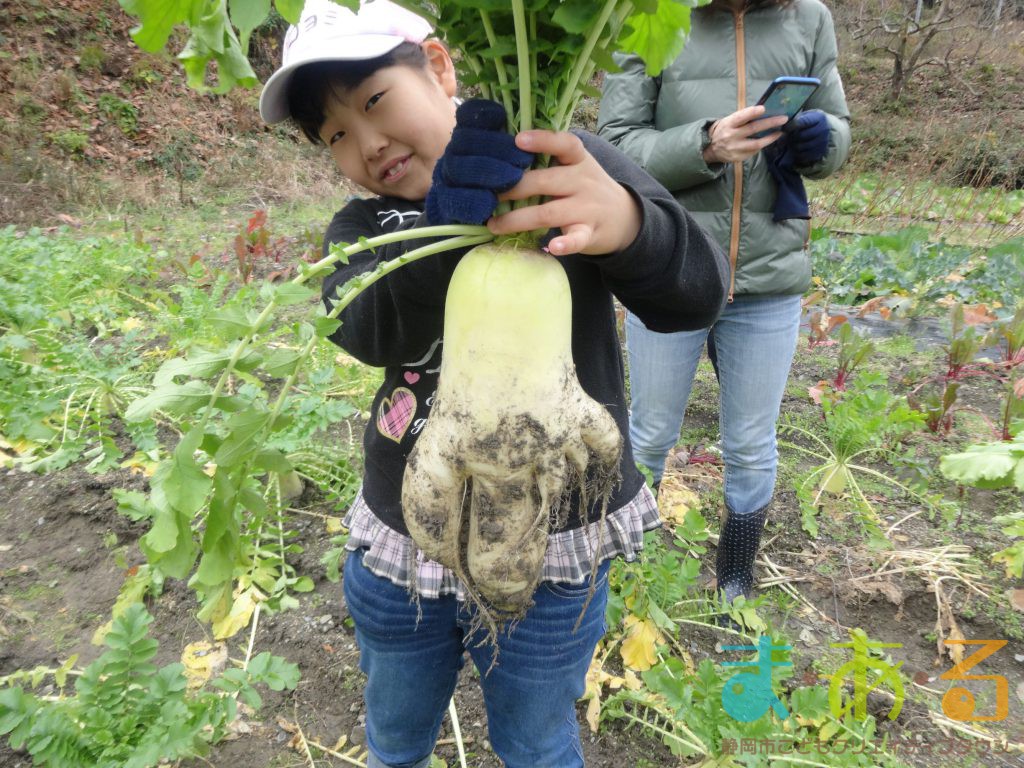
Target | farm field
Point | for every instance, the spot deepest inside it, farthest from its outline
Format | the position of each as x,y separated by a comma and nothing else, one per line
179,444
902,553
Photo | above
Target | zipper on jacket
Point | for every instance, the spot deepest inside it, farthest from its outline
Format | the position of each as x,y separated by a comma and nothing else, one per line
737,168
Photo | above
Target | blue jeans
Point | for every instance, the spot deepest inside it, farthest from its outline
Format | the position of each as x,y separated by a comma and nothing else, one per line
755,339
412,663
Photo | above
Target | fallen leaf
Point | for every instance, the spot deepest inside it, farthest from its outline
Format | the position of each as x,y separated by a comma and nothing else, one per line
286,726
887,589
812,298
978,314
675,500
1017,599
593,714
821,325
876,304
921,677
141,464
955,650
202,660
633,683
237,728
1020,691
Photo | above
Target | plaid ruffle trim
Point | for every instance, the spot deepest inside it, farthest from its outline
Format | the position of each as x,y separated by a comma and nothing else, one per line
569,557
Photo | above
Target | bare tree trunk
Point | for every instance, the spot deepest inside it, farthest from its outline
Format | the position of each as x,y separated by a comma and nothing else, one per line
898,79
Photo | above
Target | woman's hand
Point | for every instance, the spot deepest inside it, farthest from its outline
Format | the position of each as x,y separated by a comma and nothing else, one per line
595,213
731,140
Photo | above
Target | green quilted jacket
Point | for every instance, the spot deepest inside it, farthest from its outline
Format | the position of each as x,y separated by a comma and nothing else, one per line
729,60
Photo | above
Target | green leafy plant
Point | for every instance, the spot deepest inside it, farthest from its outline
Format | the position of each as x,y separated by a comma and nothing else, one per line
682,708
125,115
990,466
68,359
911,269
71,142
936,396
1009,334
854,349
254,245
126,712
866,423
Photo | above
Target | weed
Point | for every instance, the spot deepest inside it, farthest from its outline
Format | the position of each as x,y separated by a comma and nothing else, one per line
254,245
126,711
995,465
124,114
71,142
143,74
30,109
854,348
92,57
864,423
991,160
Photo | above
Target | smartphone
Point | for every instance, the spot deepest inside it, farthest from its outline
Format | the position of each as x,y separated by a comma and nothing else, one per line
785,96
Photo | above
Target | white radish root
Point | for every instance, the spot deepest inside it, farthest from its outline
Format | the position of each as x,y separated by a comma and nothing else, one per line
512,435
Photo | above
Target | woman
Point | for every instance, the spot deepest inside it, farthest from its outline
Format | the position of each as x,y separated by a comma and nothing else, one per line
692,129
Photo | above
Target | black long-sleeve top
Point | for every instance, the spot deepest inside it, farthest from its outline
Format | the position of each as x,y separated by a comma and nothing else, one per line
673,277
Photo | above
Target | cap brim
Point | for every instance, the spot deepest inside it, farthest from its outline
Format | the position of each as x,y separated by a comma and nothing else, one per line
274,97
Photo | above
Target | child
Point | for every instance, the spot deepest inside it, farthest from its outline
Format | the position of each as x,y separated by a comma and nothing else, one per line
381,96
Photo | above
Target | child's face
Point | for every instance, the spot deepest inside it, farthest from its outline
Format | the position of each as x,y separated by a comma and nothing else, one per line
387,133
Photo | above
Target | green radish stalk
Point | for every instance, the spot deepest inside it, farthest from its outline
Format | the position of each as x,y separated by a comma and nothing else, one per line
511,434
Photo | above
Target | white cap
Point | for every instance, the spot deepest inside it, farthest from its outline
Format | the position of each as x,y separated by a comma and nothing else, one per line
328,32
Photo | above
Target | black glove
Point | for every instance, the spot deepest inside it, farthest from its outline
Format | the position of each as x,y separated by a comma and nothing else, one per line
791,197
808,137
481,160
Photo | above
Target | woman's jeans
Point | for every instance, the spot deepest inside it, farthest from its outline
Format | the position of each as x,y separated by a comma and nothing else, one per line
412,656
754,339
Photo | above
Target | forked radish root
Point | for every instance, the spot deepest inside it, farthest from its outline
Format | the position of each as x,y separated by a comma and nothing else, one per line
512,435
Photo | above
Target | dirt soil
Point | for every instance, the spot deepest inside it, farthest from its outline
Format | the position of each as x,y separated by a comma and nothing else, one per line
64,550
59,576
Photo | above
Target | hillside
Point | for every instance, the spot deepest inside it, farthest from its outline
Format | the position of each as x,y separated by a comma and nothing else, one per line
88,121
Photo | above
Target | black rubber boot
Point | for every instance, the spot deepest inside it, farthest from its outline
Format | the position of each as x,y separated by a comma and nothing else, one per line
737,548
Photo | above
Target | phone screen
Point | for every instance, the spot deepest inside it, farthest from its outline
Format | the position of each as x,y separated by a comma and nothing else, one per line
786,99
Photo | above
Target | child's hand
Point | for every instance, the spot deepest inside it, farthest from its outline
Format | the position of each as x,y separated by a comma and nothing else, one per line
595,213
480,160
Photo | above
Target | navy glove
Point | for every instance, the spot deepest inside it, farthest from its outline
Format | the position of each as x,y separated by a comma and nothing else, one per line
791,197
481,160
808,137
